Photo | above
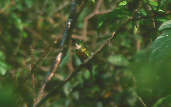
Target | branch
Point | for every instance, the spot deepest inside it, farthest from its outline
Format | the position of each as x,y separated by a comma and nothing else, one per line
86,62
141,101
55,90
74,12
94,13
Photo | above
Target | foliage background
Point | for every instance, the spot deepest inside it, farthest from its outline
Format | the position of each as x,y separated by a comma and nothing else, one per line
132,71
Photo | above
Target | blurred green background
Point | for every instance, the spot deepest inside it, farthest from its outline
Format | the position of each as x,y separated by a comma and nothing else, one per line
134,70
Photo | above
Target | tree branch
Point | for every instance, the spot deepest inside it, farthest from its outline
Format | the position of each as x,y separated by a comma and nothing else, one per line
74,12
86,62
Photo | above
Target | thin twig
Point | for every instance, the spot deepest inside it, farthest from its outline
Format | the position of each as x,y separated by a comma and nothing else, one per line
62,6
100,49
41,92
141,101
94,13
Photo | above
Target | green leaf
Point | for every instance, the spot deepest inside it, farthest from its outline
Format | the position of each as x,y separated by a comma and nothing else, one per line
67,88
2,57
18,22
143,12
29,3
100,24
165,25
163,102
87,74
160,50
160,10
118,60
93,1
3,66
153,3
76,95
24,34
123,3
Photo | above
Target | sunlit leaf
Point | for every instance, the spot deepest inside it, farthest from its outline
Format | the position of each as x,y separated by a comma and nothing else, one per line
163,102
165,25
153,3
123,3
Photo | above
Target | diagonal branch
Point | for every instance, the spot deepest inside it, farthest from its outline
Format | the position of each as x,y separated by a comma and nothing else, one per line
55,90
74,12
86,62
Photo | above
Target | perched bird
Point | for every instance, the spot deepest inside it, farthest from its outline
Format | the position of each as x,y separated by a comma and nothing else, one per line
82,51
